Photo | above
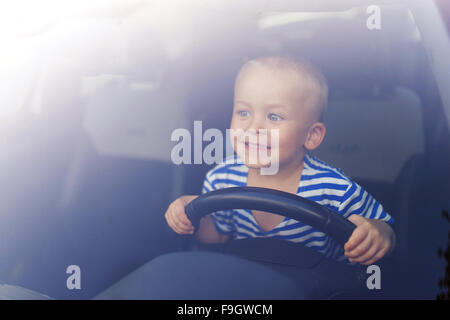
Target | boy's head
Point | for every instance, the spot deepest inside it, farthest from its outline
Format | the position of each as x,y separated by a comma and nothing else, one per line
278,92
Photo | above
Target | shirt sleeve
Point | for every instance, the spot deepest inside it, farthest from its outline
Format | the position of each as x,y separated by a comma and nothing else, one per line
223,220
356,200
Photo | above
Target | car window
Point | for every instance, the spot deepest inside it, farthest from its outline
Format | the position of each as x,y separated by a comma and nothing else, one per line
90,99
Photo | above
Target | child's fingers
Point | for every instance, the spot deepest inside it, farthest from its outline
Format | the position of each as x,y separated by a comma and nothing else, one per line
367,256
180,229
175,225
178,218
167,216
358,235
178,211
183,217
172,224
360,249
380,254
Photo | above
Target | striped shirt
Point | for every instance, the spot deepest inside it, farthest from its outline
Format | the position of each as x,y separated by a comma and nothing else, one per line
319,182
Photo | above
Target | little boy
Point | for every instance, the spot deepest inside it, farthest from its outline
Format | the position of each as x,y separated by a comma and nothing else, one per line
290,96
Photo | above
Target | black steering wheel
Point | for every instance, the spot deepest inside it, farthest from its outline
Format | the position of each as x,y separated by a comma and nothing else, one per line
274,201
289,270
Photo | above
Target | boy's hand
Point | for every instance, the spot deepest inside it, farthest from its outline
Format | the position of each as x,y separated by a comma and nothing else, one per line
370,241
176,217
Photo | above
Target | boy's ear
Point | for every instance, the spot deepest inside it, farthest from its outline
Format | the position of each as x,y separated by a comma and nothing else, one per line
316,134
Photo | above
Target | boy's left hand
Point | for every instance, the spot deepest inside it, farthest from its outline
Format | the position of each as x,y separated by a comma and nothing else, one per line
370,241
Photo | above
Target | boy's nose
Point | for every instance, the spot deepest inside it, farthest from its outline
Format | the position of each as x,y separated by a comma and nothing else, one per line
257,123
257,130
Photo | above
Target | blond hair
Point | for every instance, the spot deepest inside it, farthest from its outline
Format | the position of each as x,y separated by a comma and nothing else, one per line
303,69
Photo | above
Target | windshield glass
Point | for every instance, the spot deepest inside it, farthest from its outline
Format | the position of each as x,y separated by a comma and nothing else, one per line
93,92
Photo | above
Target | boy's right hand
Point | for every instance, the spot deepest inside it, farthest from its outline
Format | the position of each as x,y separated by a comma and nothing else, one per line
176,217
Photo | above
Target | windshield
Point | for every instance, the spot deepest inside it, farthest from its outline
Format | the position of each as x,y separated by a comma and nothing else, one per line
93,92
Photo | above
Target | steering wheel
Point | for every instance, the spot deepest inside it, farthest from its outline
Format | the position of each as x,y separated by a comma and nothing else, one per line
286,204
290,270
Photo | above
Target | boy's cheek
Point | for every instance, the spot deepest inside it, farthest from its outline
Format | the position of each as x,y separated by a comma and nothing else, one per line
237,124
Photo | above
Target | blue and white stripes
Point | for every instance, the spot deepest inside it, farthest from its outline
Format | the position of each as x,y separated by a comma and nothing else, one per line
319,182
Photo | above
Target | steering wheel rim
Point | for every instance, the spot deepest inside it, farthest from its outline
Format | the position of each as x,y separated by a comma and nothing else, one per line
275,201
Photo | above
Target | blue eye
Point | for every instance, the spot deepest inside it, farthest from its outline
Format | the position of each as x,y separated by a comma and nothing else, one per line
274,117
243,113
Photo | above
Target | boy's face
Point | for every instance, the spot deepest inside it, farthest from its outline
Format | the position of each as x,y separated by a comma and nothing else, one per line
265,98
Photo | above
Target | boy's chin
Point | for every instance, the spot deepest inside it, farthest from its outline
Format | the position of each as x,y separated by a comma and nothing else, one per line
257,165
255,162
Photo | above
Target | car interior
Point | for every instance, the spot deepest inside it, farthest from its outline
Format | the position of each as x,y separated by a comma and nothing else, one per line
87,170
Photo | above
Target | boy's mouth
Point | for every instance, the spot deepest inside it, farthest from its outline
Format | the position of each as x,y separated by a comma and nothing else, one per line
256,146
